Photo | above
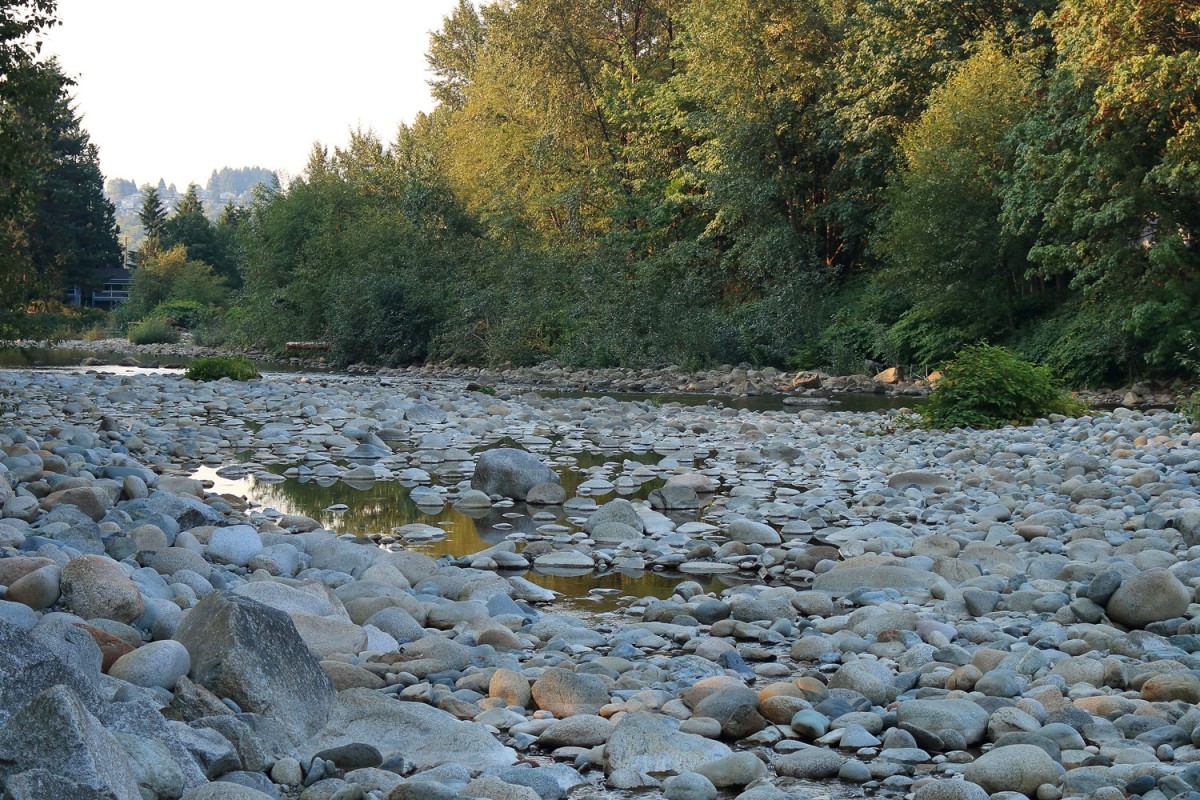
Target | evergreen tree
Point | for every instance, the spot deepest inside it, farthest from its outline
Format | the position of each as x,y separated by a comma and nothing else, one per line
191,228
152,215
28,93
73,230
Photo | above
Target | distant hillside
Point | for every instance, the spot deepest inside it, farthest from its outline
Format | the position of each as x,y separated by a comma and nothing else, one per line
238,181
226,185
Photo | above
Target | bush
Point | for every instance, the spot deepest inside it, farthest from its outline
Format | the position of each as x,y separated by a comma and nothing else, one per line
153,331
238,368
1189,409
211,334
986,387
186,314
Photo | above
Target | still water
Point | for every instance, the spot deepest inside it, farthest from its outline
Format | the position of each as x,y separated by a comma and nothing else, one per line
379,507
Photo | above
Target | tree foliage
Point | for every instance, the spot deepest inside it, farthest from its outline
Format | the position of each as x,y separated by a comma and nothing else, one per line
816,181
56,228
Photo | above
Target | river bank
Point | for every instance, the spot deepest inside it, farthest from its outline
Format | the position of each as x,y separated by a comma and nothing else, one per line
900,612
738,382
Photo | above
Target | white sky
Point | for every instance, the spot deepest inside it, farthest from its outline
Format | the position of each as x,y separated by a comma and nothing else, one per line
176,89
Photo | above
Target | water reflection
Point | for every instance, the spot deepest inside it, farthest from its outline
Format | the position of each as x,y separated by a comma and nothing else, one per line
380,507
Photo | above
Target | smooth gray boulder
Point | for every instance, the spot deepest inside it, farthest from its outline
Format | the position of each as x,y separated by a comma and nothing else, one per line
963,716
651,744
426,736
252,654
1014,768
509,472
1151,596
618,510
564,693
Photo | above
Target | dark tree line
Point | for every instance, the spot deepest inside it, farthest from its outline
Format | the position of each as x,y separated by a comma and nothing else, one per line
56,227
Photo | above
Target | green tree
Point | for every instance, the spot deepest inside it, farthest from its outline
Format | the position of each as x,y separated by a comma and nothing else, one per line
168,274
1108,180
190,227
29,90
72,232
152,215
893,54
943,238
453,53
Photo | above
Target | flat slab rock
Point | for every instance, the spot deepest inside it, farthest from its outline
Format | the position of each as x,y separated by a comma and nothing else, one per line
425,736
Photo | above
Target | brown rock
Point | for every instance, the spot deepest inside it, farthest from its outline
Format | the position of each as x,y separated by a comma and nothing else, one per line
111,647
890,376
13,569
348,676
94,586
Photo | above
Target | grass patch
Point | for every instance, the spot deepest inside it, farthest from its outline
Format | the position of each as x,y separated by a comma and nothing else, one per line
237,368
153,331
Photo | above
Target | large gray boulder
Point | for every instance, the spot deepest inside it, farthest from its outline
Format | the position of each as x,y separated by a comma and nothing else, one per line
510,472
1151,596
426,736
879,572
157,758
56,732
963,716
564,693
253,655
651,744
619,510
1014,768
28,666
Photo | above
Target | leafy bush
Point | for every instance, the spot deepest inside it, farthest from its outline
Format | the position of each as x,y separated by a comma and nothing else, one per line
1189,408
238,368
987,387
186,314
211,334
153,331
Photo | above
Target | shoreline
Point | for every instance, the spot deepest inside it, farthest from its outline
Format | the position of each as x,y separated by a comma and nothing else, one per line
737,382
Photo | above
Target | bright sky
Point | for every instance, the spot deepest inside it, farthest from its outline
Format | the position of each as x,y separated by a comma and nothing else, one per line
177,89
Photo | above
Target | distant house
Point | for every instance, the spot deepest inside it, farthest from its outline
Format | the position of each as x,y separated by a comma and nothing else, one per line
114,286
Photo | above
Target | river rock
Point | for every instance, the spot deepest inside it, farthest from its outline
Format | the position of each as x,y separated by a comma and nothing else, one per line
811,763
618,510
564,693
649,744
750,532
961,716
510,472
252,654
1014,768
689,786
39,589
546,494
674,496
1150,596
426,737
56,732
236,545
95,587
153,664
28,666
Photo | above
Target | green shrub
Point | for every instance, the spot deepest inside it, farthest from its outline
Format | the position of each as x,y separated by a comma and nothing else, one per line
238,368
153,331
211,334
987,387
186,314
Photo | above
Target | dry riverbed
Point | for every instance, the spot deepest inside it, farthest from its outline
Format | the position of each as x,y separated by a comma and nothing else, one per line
849,609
